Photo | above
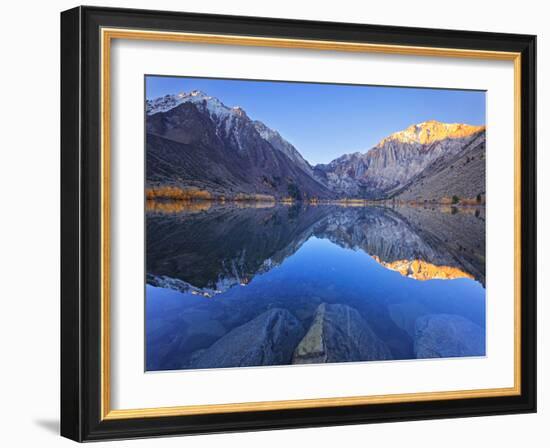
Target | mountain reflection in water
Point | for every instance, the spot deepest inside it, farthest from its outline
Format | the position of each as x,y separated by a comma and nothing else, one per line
274,284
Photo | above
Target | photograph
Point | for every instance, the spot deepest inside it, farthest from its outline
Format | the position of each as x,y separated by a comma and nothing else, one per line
291,223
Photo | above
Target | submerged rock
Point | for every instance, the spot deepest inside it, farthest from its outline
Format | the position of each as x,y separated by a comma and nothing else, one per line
339,334
405,314
447,335
269,339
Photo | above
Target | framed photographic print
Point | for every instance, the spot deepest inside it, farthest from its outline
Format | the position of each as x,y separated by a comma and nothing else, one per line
274,224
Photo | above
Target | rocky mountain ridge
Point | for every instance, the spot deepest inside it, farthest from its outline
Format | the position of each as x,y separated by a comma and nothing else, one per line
194,141
390,165
226,118
432,131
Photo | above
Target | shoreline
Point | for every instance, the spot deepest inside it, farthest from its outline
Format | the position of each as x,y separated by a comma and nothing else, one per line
337,202
173,193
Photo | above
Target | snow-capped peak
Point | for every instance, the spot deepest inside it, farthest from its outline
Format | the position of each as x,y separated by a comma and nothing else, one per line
432,131
164,103
195,93
228,120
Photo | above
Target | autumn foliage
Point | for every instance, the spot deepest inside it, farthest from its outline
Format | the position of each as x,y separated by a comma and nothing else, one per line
170,192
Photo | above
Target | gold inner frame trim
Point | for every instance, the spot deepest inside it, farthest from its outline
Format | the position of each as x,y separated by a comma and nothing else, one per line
107,35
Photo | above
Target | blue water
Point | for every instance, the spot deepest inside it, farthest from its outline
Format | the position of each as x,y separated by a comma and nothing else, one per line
320,263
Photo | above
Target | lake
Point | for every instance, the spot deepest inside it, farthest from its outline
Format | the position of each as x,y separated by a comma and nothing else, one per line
252,284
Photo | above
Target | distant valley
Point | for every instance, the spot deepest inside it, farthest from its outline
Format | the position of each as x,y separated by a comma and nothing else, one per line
199,148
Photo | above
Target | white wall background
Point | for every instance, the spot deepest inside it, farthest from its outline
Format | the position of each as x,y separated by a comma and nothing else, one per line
29,226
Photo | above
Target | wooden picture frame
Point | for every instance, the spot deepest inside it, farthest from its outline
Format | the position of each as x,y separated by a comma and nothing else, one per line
86,35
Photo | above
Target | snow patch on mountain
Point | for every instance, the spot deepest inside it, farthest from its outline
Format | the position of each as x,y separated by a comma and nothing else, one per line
167,102
227,121
280,144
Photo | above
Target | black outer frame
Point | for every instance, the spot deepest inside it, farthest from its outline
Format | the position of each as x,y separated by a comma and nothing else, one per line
80,223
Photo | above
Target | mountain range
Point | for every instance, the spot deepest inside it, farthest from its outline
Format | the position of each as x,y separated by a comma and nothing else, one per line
196,145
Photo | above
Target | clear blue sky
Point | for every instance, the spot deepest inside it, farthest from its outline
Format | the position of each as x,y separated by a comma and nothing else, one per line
324,121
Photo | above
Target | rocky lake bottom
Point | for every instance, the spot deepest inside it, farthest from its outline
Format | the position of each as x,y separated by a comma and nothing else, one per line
235,285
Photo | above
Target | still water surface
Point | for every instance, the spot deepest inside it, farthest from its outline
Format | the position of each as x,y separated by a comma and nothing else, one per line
231,286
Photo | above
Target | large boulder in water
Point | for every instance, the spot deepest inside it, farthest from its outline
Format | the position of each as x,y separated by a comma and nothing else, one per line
339,334
447,335
405,314
269,339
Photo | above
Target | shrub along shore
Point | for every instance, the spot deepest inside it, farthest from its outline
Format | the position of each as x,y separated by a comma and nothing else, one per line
174,193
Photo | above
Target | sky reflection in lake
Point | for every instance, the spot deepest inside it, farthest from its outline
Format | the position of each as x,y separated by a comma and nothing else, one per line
240,286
